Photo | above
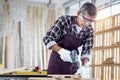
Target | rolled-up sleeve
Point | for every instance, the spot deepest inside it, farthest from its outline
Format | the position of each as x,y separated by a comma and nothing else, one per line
87,45
55,32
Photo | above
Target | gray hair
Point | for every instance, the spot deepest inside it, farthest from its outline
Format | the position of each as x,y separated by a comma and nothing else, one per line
89,8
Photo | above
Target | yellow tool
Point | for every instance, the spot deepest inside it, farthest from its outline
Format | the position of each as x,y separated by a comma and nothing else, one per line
31,73
0,65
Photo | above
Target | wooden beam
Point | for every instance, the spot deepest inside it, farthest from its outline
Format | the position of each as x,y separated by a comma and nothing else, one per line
35,35
21,48
59,12
6,15
10,54
30,34
6,71
44,31
39,23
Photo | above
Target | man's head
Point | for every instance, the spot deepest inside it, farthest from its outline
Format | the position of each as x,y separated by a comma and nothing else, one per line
86,14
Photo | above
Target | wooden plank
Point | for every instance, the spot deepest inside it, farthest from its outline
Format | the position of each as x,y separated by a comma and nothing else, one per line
9,60
110,39
35,36
93,63
100,73
118,72
39,21
108,30
40,37
6,14
112,67
119,36
118,58
107,73
44,31
49,18
114,73
5,71
106,47
116,20
30,34
102,58
118,64
59,12
116,55
53,16
21,48
110,73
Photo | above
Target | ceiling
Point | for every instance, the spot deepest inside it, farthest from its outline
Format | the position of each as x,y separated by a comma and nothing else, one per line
57,2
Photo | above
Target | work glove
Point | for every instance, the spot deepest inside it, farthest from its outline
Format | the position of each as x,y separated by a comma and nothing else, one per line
85,71
80,69
65,55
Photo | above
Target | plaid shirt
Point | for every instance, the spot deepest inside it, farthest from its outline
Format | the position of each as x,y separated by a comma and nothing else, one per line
58,29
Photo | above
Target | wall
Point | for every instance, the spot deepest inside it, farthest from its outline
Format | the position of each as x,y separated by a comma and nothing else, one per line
105,9
35,19
1,28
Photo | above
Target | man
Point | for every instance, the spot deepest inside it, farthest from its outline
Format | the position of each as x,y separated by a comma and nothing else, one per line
67,34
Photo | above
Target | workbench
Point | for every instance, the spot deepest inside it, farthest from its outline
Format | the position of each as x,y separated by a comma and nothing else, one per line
23,74
43,77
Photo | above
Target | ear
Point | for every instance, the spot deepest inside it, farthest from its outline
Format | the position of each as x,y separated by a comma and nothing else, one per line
78,13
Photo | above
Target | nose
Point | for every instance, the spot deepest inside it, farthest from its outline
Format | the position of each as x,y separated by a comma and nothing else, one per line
87,23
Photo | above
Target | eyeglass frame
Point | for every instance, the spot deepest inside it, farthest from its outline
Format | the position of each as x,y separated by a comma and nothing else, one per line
89,20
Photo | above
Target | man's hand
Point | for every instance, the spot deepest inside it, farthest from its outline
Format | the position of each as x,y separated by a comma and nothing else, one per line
65,55
84,61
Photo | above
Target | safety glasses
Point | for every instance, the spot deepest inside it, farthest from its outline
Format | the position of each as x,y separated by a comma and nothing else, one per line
86,19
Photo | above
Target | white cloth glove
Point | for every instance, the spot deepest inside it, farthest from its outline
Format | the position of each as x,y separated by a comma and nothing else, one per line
79,71
65,55
85,72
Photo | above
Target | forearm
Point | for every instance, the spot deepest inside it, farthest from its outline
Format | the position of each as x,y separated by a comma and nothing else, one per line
55,48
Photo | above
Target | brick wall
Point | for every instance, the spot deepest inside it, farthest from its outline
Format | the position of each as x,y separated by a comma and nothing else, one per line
32,41
1,28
